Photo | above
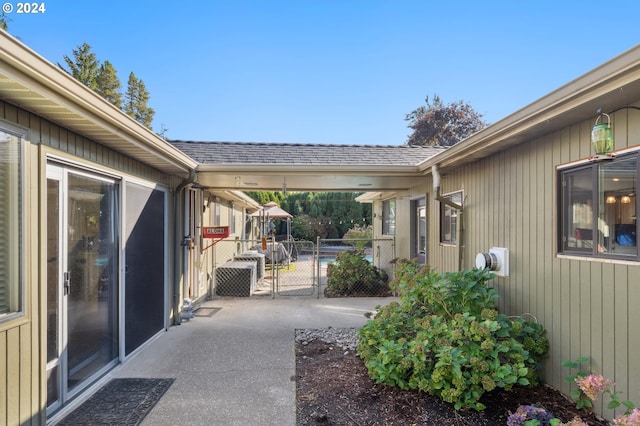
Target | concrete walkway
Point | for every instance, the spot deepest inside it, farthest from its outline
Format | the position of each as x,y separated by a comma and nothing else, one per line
237,367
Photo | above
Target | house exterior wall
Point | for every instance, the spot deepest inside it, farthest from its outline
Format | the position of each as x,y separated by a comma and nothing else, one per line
403,215
216,254
585,304
23,382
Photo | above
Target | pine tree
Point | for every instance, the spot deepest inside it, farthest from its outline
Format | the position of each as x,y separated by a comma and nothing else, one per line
108,84
4,22
135,101
84,66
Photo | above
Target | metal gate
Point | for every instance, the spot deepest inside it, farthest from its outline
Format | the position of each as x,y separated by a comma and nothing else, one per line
297,275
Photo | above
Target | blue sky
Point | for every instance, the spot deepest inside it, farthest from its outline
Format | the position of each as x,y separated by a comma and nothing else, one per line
332,71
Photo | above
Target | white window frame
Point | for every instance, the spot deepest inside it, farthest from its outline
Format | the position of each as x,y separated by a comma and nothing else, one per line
15,289
389,217
449,227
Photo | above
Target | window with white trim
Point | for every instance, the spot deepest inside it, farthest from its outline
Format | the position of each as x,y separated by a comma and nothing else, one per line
449,219
598,207
232,218
389,217
11,286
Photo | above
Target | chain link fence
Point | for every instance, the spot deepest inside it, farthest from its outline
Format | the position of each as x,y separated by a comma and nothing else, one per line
355,267
325,268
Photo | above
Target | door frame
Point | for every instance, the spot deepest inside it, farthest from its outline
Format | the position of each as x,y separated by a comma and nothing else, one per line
59,171
417,204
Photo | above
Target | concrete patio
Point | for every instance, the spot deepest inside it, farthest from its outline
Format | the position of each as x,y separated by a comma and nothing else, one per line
237,367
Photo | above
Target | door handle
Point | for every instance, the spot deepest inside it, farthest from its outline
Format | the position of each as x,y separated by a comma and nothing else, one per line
67,283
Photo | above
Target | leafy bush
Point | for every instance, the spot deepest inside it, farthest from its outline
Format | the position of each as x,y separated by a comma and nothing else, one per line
352,274
446,338
360,236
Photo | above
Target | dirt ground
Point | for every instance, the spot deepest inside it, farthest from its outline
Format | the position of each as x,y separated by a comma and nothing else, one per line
333,388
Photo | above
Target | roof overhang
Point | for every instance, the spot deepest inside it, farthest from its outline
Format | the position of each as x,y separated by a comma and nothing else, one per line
611,86
29,81
321,178
239,198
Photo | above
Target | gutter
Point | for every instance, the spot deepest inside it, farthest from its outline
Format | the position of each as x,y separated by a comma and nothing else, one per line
438,197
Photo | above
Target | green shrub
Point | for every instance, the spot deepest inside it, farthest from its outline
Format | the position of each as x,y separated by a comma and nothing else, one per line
359,236
353,275
446,338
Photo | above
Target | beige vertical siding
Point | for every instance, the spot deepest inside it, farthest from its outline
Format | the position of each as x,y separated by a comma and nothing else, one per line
22,340
589,307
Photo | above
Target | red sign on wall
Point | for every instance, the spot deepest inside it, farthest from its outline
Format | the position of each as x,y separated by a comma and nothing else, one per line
215,232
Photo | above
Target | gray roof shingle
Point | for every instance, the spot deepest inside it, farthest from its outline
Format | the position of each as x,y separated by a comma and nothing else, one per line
300,154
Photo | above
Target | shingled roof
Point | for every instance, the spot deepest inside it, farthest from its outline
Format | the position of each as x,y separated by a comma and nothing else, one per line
300,154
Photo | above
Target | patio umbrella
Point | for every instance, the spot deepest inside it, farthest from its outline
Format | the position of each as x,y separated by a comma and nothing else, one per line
272,211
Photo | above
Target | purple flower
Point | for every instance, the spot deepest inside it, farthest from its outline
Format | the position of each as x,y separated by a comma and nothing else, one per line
529,412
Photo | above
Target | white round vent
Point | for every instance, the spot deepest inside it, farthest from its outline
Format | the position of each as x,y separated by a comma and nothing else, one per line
487,260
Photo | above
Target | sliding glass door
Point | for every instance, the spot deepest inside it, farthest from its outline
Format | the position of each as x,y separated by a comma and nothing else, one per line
82,281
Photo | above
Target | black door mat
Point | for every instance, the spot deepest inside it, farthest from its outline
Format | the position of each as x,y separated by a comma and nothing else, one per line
205,312
119,402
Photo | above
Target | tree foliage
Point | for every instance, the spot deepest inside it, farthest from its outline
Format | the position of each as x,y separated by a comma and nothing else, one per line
4,21
324,214
135,101
108,84
437,124
103,79
309,228
84,66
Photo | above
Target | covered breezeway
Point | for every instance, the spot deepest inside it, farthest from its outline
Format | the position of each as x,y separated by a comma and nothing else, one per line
236,166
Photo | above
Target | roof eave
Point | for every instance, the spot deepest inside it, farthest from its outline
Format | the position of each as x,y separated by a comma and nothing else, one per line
85,112
342,169
611,85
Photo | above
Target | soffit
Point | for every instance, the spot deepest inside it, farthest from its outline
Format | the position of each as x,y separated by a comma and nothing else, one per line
611,86
34,84
307,167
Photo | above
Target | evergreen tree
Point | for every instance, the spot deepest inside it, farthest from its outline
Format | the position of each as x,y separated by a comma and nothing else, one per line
4,22
84,66
108,84
135,101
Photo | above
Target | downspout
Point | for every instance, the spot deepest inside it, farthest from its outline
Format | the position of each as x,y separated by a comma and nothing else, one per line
178,244
436,187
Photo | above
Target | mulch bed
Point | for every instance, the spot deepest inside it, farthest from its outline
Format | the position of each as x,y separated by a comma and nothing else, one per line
333,388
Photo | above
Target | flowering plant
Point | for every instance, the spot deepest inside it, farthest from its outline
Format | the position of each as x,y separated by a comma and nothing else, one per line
591,385
631,418
525,413
532,415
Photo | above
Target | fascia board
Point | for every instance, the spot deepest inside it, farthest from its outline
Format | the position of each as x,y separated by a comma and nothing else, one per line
36,74
611,76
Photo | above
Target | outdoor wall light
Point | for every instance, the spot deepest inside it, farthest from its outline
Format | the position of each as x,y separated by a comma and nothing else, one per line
602,135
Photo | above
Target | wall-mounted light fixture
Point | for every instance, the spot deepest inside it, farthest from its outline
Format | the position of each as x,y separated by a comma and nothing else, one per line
602,135
625,199
610,199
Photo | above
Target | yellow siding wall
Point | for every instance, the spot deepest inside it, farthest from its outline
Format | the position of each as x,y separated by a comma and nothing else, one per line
22,341
589,307
226,249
